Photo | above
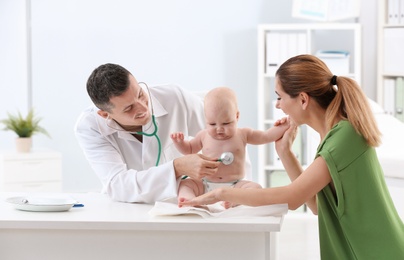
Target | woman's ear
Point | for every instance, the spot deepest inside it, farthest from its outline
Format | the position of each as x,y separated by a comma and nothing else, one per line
103,113
304,100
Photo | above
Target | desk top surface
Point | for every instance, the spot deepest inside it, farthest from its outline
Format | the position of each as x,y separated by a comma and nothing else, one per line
101,213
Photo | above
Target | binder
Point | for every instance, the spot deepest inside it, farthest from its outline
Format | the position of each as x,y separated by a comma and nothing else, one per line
401,12
399,102
393,51
272,52
283,48
292,45
388,96
302,43
393,11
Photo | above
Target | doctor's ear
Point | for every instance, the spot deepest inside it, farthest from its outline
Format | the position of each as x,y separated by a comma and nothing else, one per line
103,113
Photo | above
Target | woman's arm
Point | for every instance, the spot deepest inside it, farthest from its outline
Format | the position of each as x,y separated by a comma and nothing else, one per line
290,162
303,188
308,183
300,191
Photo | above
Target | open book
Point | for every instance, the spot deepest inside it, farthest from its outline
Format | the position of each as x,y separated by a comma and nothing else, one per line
170,208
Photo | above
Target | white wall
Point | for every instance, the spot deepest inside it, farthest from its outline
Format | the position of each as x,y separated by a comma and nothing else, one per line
13,64
197,44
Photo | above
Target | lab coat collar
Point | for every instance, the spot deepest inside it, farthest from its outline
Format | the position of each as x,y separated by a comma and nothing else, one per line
159,110
112,126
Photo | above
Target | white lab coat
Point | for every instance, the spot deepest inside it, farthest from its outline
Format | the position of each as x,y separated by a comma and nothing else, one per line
125,166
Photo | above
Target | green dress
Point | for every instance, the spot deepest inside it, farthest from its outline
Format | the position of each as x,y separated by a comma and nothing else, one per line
359,220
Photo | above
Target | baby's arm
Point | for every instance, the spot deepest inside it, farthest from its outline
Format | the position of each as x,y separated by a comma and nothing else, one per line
271,135
184,146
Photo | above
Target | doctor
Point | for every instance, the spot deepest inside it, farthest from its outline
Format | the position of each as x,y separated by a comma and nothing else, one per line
132,166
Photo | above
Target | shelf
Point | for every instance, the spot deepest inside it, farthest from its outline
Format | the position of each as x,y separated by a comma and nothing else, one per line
309,26
390,74
393,26
350,75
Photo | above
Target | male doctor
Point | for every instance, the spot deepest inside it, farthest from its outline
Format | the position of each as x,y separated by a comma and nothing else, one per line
125,160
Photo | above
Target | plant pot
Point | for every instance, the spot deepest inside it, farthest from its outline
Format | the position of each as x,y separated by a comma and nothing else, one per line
23,144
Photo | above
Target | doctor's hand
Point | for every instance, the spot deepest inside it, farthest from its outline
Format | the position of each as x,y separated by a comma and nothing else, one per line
196,166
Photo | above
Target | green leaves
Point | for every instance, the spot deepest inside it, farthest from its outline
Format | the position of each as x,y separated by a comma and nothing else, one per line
24,127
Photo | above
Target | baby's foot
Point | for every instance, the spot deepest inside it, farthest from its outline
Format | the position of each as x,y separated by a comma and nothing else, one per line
180,201
228,205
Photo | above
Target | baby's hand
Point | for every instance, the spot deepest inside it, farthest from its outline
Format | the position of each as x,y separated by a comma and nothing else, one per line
177,137
282,121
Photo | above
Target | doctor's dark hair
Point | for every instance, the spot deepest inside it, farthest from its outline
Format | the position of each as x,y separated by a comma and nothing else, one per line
345,100
107,81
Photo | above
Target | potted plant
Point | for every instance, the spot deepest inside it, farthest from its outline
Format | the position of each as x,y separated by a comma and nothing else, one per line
24,128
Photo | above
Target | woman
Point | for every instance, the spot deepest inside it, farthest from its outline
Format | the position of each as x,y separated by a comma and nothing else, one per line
345,184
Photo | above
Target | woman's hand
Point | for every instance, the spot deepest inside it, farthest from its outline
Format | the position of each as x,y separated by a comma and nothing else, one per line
285,143
205,199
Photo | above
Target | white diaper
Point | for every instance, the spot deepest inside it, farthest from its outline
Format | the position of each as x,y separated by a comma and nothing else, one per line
209,186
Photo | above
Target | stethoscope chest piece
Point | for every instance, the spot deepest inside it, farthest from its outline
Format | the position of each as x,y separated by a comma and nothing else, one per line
226,158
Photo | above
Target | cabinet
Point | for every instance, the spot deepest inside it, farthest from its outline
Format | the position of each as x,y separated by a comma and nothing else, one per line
390,70
37,171
276,43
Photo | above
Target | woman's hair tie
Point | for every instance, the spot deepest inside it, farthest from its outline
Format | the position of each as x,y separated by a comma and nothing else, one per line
334,80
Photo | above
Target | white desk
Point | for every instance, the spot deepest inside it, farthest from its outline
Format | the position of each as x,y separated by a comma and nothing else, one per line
104,229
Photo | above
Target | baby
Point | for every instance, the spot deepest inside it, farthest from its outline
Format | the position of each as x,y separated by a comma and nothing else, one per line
222,135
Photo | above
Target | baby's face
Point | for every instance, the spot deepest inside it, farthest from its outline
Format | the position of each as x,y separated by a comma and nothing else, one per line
222,124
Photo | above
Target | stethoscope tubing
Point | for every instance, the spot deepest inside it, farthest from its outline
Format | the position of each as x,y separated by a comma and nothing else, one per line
156,136
154,133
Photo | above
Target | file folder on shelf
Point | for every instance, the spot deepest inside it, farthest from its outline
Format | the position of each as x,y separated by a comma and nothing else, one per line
388,95
281,46
272,52
393,9
393,51
399,102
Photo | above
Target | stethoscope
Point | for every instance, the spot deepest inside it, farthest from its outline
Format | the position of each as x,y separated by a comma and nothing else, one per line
226,158
154,133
